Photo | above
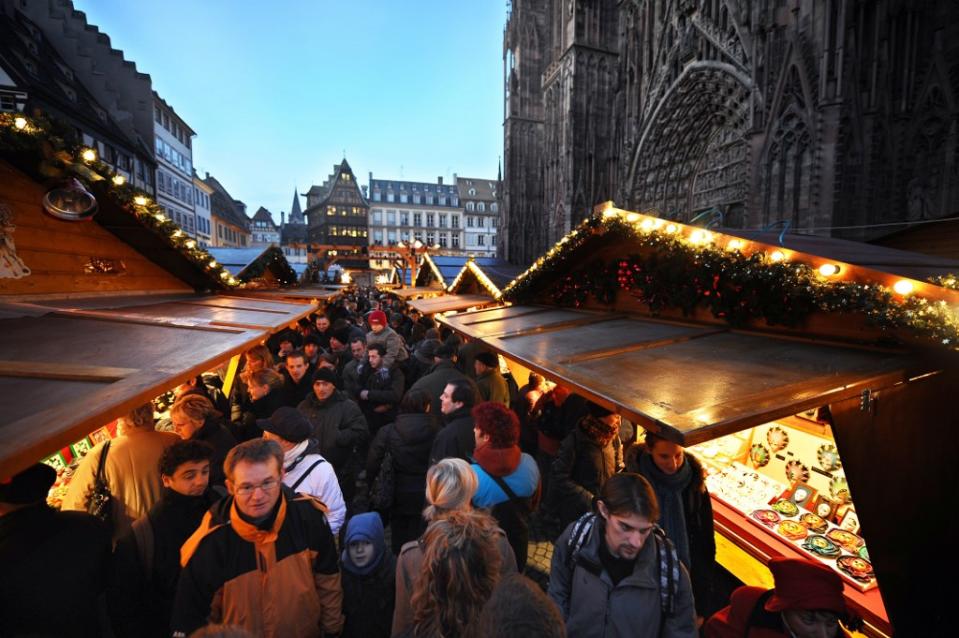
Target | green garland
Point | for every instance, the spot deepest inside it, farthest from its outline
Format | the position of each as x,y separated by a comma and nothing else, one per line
674,273
45,141
949,281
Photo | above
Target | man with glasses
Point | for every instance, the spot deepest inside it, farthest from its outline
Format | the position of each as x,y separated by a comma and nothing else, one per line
280,577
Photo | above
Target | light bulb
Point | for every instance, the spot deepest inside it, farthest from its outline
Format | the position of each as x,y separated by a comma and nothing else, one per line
647,224
20,122
140,200
828,270
700,237
119,180
213,263
632,217
734,244
777,255
160,217
903,287
190,243
671,228
88,155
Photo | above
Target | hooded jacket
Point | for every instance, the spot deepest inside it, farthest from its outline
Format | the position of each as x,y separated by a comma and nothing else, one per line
593,607
434,381
338,426
395,347
368,594
280,582
492,387
409,440
580,469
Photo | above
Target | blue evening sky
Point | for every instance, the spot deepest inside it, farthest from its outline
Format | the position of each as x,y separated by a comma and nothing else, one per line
277,90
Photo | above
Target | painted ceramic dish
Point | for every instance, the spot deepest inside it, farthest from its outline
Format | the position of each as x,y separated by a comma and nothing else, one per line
839,489
863,552
777,438
786,508
792,530
796,472
828,457
768,518
821,545
858,568
847,540
815,523
759,455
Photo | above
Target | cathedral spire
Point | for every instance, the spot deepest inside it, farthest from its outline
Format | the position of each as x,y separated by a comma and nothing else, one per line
296,213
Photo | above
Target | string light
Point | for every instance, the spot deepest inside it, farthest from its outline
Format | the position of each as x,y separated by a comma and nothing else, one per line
140,200
190,243
178,233
20,123
88,155
671,228
119,180
734,244
777,256
700,237
632,218
647,224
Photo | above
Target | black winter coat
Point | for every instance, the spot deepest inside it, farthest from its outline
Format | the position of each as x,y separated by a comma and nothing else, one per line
579,471
368,600
141,605
55,565
338,426
434,382
699,527
222,440
456,440
296,391
409,440
262,408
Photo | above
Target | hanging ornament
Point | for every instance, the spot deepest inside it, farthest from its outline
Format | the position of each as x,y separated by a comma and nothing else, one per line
70,201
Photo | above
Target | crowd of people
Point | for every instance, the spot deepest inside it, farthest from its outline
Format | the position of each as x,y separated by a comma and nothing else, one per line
369,474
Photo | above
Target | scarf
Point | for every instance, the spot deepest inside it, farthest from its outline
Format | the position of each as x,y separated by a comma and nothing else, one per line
669,492
497,461
291,456
597,430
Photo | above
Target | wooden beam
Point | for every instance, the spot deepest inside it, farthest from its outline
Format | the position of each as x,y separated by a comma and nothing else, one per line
62,371
518,314
552,327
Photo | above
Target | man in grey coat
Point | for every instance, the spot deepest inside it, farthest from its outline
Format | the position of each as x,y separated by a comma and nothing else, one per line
629,579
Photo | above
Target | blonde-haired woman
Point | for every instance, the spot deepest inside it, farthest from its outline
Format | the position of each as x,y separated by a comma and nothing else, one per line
450,487
195,419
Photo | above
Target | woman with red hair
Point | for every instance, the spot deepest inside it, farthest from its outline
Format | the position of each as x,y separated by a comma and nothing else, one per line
509,481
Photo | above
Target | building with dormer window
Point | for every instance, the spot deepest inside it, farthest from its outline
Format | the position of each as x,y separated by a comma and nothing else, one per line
337,215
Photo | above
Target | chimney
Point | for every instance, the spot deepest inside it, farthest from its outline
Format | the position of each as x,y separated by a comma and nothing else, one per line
439,180
282,218
208,174
455,178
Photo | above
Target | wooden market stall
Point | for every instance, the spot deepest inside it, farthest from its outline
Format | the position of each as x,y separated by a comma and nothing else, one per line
257,267
801,381
438,271
408,294
484,277
105,303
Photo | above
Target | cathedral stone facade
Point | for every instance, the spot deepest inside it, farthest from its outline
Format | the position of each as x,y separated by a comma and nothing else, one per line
831,117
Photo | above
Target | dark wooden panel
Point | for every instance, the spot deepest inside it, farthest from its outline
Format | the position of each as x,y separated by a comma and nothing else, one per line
525,322
447,303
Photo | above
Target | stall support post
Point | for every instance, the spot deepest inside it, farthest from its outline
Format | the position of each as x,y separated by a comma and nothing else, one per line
231,374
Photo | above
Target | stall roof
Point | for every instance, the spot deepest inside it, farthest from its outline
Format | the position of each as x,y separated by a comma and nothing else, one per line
448,303
449,267
304,294
691,382
70,366
417,292
490,277
250,263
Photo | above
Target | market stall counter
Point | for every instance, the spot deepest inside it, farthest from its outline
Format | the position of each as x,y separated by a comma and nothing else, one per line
451,303
812,390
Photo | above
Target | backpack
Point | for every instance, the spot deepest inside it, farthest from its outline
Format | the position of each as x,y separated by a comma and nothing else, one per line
384,485
513,517
666,557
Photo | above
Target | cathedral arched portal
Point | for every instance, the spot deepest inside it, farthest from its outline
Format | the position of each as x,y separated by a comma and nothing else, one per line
693,153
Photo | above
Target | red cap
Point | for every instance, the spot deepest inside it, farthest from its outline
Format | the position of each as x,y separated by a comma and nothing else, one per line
805,584
377,316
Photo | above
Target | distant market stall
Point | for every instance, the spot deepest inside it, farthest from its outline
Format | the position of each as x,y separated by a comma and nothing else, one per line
798,378
257,267
105,303
484,277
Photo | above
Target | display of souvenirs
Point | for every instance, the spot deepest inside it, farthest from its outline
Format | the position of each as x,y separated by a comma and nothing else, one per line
792,530
725,450
828,457
785,507
863,552
777,439
846,539
759,455
743,488
815,523
769,518
858,568
821,545
796,472
802,495
839,489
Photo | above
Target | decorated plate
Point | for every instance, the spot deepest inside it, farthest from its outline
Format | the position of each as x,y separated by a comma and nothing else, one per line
815,523
847,540
839,489
792,530
801,494
759,455
858,568
777,438
786,508
828,457
821,545
863,552
796,472
768,518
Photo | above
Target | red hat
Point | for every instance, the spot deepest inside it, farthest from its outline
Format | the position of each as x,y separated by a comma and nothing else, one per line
805,584
377,316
